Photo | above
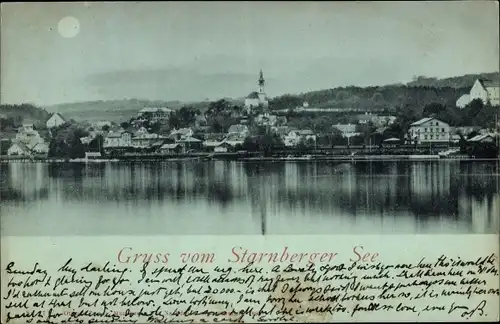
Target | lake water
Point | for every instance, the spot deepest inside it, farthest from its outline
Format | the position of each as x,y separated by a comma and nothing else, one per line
227,197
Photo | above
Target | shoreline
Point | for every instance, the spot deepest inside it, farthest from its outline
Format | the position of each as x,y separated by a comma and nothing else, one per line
246,158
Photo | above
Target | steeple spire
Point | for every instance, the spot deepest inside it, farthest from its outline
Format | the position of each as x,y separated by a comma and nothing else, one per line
261,82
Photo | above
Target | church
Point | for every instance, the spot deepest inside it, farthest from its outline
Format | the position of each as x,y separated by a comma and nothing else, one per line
257,98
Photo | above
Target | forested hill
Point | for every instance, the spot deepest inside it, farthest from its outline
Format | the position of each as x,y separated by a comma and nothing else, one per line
418,93
465,81
24,113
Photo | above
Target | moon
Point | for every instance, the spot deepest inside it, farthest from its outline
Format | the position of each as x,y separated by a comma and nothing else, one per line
68,27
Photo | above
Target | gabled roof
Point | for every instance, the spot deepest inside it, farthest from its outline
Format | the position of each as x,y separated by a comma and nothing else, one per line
392,139
169,146
21,145
189,139
479,138
345,127
58,114
182,131
422,121
489,83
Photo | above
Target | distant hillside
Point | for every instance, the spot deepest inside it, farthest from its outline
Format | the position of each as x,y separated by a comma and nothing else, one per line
418,93
464,81
116,110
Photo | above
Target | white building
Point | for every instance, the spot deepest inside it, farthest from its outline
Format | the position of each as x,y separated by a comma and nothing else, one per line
178,134
463,101
241,130
257,98
28,135
266,119
118,139
347,130
18,148
428,130
486,90
378,121
294,137
156,114
40,148
144,140
55,120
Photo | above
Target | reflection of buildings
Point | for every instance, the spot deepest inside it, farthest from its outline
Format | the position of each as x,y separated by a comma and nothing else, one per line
482,215
430,179
29,180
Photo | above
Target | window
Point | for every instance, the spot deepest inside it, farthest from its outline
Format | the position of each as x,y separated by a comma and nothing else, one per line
442,130
425,130
431,130
437,124
425,137
432,137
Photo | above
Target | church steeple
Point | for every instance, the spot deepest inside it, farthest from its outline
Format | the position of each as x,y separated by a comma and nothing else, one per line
261,82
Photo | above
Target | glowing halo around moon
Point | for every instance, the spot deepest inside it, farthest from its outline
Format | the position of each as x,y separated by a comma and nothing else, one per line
68,27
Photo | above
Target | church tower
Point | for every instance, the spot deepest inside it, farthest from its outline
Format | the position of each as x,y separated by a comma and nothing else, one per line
262,92
262,83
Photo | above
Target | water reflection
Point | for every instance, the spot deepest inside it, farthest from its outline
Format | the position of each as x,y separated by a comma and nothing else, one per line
223,197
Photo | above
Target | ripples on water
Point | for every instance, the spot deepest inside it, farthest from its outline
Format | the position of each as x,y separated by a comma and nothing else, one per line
223,197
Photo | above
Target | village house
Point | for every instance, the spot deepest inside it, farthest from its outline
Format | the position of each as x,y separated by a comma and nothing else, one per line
212,140
118,140
428,130
266,120
178,134
19,149
190,143
223,147
241,130
234,139
376,120
486,90
294,137
55,120
155,114
171,148
347,130
145,140
28,135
